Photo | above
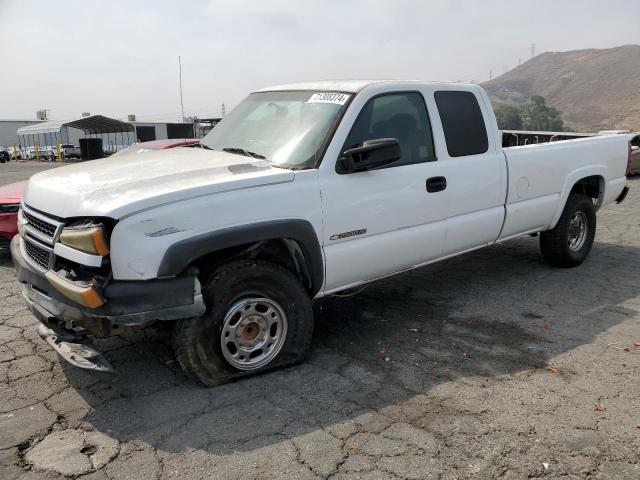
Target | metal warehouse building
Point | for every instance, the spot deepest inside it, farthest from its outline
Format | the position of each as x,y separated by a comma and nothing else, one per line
9,129
142,131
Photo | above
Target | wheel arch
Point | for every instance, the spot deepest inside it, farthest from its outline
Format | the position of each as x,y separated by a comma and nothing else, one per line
292,243
589,180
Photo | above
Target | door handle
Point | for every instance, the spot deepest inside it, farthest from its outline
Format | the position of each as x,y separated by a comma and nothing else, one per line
436,184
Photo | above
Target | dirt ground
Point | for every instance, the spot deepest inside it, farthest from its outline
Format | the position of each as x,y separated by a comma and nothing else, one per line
488,365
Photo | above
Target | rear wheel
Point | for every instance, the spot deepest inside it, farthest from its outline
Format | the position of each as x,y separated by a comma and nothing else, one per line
568,244
258,317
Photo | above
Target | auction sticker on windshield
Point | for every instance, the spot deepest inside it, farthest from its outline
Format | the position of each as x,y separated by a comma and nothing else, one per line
329,97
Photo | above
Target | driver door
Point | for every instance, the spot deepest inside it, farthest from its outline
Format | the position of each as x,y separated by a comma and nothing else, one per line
381,221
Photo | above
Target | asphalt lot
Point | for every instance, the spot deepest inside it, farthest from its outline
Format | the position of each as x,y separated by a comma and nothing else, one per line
16,171
488,365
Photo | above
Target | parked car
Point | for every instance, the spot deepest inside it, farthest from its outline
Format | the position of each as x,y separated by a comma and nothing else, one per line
69,150
157,145
16,154
4,155
30,153
49,153
301,191
634,155
46,153
10,198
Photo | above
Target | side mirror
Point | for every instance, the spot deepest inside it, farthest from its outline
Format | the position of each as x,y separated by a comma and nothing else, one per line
370,155
634,148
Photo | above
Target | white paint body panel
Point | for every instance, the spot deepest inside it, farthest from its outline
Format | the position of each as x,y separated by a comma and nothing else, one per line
162,197
551,170
406,225
120,186
136,256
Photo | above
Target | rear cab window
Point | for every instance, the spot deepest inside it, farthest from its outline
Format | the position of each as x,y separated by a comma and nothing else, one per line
462,122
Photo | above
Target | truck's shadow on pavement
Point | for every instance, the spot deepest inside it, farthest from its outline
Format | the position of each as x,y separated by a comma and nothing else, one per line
472,319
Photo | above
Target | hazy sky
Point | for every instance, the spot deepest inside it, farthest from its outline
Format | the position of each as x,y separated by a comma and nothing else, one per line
118,57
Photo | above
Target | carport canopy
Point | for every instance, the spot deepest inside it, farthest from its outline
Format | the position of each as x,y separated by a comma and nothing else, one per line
94,124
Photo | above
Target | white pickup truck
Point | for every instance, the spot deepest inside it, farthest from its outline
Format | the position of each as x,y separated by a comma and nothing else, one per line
301,191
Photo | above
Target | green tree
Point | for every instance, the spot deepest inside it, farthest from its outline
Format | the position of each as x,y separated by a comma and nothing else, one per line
509,117
537,115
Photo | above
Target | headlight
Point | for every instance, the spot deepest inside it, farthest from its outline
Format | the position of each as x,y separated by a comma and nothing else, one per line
92,240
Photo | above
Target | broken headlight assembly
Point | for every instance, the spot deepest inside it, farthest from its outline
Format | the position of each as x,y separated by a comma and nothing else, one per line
86,237
81,283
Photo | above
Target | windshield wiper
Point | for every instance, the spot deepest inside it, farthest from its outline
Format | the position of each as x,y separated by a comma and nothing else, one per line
202,145
242,151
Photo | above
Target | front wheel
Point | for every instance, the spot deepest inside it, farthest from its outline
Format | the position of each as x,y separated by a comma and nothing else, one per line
258,317
568,244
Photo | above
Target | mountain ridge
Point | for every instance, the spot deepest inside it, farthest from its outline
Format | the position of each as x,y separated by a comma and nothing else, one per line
595,89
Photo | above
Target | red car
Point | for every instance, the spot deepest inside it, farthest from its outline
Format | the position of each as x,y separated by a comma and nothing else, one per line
157,145
10,198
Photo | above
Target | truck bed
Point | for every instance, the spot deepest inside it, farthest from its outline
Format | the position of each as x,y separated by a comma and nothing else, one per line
540,178
516,138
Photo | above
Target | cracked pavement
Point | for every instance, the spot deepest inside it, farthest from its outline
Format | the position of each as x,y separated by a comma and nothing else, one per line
488,365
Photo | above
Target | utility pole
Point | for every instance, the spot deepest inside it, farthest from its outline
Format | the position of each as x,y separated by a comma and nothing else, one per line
490,74
533,50
180,80
223,110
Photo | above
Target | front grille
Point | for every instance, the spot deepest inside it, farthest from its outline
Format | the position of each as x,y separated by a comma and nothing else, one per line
41,226
40,256
4,242
39,236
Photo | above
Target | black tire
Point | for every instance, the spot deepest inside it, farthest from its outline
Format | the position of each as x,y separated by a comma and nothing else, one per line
555,243
197,342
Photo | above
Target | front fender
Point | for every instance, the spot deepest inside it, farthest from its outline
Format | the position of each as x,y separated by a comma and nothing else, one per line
184,252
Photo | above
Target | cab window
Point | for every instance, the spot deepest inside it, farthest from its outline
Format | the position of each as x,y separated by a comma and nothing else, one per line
462,122
402,116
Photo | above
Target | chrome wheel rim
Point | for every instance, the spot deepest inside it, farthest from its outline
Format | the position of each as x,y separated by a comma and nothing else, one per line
577,230
253,333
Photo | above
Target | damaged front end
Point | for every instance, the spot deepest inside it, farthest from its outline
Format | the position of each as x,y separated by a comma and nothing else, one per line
65,276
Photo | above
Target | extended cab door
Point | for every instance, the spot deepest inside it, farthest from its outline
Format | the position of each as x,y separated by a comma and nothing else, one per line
382,221
467,145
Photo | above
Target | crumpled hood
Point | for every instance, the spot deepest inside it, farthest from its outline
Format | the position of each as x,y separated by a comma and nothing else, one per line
119,186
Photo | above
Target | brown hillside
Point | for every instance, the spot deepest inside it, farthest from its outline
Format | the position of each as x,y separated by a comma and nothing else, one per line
594,89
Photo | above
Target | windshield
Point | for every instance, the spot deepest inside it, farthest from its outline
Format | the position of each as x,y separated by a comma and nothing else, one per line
288,129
